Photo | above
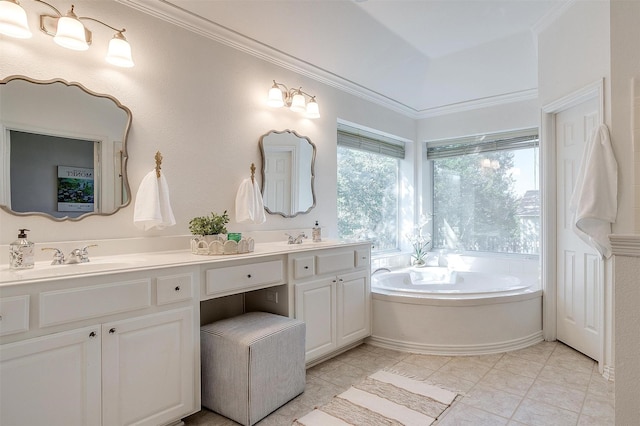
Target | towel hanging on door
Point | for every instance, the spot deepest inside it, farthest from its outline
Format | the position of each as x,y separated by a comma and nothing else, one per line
594,202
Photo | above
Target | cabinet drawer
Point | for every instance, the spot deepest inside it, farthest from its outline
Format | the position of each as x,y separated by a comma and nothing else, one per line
173,289
14,315
303,267
363,258
335,261
59,307
240,277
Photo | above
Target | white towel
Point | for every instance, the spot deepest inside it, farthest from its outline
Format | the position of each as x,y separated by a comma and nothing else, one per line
249,204
153,208
595,197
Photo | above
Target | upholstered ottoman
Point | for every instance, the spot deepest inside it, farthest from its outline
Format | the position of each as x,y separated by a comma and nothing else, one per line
252,364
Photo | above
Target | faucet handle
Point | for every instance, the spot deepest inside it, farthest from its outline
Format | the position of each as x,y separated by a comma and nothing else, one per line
84,252
58,256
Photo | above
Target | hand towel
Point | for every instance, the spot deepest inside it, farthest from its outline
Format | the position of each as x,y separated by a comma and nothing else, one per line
249,204
153,207
594,201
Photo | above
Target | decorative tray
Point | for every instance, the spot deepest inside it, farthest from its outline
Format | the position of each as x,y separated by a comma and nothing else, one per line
210,245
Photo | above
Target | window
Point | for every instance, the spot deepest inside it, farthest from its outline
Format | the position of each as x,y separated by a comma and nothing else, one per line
486,195
368,176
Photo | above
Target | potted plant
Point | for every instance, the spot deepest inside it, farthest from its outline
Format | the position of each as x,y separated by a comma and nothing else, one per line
209,225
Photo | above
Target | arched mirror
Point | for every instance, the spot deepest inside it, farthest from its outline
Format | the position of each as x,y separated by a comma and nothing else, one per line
64,149
287,173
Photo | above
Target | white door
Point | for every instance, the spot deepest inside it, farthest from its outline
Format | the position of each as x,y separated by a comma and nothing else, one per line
148,369
579,273
315,305
52,380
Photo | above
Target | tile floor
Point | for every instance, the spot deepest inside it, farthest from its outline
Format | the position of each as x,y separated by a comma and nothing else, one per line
543,385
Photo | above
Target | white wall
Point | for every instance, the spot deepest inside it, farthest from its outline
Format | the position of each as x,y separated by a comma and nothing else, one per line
202,105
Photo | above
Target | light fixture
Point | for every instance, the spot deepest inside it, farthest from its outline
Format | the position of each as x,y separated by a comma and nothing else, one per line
67,30
294,99
13,20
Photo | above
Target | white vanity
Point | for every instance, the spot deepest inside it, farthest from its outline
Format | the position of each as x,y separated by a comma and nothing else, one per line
116,341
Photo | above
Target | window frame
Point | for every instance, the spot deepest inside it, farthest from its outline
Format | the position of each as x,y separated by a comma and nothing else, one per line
405,199
469,145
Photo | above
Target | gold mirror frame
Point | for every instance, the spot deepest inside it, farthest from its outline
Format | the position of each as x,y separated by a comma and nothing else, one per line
126,190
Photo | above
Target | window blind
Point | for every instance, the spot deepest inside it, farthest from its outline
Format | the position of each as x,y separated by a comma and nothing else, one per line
356,139
484,143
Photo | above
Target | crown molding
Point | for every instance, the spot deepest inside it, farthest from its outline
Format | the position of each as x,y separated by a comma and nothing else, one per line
507,98
549,18
177,16
166,11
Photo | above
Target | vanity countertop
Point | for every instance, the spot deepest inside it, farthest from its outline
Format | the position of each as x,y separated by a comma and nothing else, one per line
101,265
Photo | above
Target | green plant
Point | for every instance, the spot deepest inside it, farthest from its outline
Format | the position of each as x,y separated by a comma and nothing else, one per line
209,225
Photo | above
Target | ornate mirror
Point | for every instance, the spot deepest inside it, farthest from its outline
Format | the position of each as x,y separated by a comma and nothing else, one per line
64,149
287,173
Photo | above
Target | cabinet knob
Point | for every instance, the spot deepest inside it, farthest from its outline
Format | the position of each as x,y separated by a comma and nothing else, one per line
112,330
92,334
306,267
340,280
177,288
248,275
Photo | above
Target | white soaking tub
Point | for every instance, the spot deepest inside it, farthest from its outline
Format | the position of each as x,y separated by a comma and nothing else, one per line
440,311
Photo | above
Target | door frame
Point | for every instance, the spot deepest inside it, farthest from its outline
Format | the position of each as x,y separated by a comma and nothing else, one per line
549,196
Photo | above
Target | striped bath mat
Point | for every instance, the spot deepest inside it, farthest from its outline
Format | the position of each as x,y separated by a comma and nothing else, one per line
383,398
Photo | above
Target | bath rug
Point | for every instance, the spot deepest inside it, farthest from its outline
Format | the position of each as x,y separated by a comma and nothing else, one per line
384,398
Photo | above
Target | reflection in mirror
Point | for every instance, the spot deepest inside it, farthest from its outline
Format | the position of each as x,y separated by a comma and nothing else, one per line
287,173
64,149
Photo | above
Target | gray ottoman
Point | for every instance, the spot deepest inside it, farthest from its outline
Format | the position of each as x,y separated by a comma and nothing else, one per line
252,364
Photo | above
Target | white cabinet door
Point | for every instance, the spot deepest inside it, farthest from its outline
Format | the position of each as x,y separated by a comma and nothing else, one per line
316,305
148,368
52,380
353,307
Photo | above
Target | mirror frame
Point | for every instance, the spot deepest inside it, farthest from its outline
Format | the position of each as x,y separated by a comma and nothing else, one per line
313,173
124,154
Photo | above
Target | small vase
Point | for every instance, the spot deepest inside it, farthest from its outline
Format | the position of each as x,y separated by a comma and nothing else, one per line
419,263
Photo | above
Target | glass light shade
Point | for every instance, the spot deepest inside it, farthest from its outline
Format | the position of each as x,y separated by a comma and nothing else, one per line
312,109
13,20
298,103
119,52
275,97
71,33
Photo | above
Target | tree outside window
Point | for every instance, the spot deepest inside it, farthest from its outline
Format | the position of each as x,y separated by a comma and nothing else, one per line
368,197
487,202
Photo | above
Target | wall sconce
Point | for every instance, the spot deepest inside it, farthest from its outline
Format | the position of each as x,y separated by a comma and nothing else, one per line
68,31
294,99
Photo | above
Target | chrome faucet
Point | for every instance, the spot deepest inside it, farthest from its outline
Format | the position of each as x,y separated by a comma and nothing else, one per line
295,240
75,256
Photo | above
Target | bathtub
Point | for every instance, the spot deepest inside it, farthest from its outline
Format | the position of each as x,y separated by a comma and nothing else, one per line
437,311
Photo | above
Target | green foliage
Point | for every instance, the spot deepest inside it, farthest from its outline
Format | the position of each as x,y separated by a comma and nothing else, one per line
209,225
475,207
368,197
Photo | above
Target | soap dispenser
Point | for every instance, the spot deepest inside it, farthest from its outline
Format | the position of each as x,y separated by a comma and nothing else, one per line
21,252
316,233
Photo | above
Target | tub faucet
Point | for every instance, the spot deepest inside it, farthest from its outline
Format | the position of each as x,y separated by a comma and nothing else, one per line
381,269
295,240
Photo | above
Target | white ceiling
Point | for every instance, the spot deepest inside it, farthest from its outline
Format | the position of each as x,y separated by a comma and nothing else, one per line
419,54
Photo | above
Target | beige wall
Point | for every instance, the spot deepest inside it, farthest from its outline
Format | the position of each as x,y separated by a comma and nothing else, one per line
202,104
